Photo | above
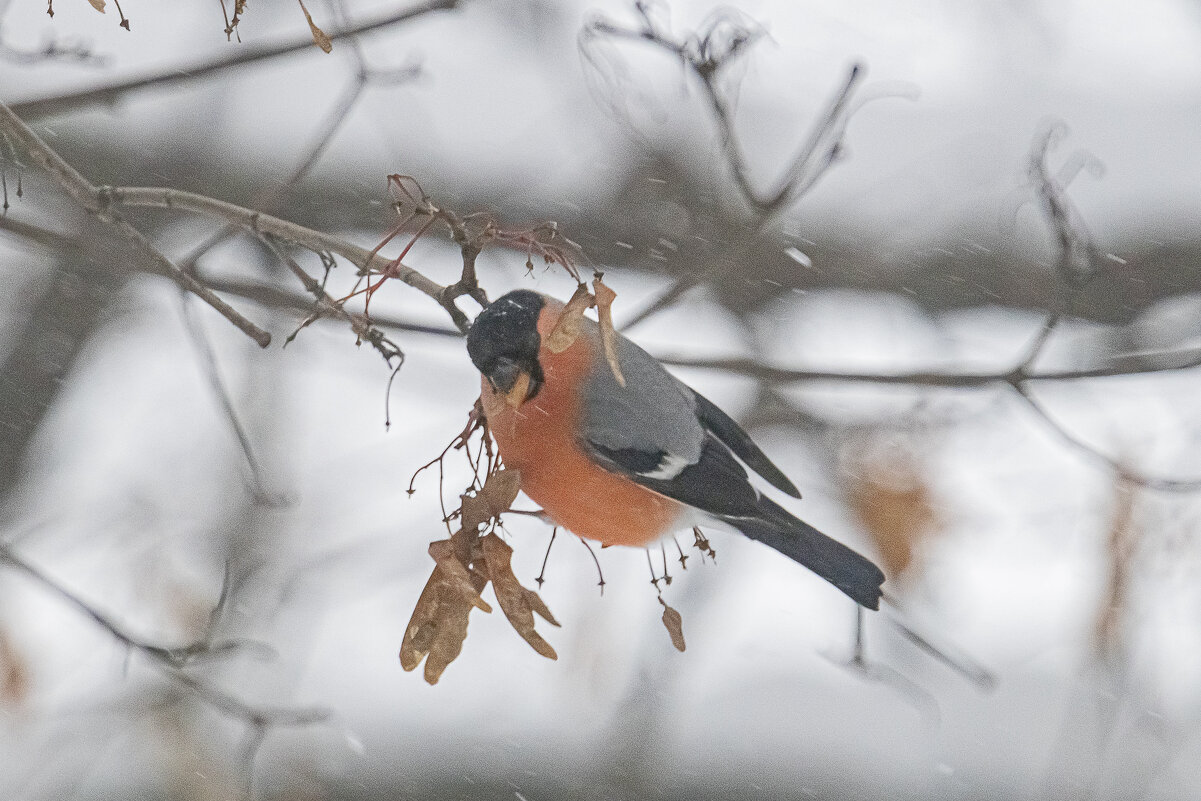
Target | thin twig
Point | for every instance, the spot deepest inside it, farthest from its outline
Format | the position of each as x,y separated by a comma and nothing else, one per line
708,54
172,660
208,361
266,225
94,200
1077,261
267,295
335,118
328,307
242,56
1121,469
600,574
1122,365
554,532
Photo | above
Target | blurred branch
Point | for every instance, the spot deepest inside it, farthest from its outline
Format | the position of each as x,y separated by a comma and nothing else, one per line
208,360
172,660
53,50
1077,262
94,200
1119,468
334,120
1124,365
34,109
270,201
707,54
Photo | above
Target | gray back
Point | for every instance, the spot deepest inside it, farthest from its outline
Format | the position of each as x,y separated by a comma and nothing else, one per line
652,413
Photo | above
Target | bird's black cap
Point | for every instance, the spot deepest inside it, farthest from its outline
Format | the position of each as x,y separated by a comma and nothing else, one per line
503,341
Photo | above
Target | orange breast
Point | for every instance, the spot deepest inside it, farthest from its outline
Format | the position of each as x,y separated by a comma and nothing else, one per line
539,438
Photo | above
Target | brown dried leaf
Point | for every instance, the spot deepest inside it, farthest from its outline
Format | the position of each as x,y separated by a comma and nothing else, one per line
894,502
567,328
14,673
438,626
674,624
1124,536
604,312
319,37
518,603
456,576
98,5
496,497
422,629
437,629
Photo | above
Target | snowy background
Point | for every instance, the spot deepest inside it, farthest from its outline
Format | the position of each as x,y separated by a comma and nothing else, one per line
922,250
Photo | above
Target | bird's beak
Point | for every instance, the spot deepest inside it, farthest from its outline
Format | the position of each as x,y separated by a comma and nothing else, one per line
520,391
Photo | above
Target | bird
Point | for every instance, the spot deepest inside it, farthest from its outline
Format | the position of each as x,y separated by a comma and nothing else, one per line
626,463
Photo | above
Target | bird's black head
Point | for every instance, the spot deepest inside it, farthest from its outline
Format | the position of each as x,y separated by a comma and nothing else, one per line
503,341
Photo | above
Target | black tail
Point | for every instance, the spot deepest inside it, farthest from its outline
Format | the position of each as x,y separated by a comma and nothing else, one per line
854,574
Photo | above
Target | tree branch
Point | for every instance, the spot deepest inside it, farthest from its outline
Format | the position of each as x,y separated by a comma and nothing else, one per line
266,225
1124,365
707,54
172,660
101,202
1150,482
43,107
93,199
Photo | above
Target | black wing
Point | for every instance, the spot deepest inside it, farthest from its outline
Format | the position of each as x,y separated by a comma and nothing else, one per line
724,428
717,485
661,434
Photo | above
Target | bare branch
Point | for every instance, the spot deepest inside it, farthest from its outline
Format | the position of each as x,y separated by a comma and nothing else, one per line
93,199
326,306
1124,365
324,309
1120,469
266,225
172,660
707,53
79,53
1077,263
36,109
262,294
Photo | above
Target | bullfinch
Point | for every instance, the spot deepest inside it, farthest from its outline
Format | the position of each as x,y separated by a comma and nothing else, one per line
626,465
